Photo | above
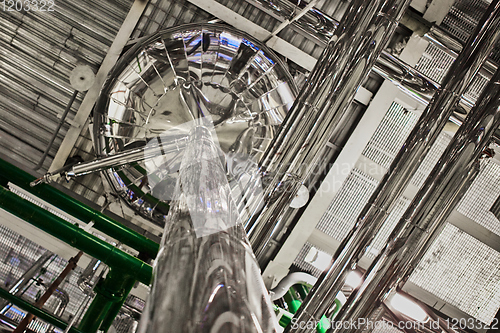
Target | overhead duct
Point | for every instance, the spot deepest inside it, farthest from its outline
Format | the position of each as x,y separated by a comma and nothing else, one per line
318,112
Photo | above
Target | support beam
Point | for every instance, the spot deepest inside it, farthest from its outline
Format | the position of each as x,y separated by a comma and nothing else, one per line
90,99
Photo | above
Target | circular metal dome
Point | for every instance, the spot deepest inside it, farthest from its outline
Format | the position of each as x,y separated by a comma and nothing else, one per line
175,77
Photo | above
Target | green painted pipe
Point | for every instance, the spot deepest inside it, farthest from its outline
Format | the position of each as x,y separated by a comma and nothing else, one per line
110,295
10,173
75,236
36,311
127,284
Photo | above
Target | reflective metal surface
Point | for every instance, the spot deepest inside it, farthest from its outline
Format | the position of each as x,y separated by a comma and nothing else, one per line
404,165
427,214
174,77
319,111
206,278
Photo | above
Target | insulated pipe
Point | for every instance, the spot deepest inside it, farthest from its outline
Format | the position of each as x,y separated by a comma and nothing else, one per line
116,160
426,216
318,111
206,277
414,150
127,236
26,306
74,236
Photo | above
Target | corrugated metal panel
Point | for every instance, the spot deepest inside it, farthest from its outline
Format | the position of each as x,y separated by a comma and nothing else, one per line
161,14
38,50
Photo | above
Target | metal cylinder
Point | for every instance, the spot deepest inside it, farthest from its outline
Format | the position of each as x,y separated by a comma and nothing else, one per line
430,208
403,167
206,278
127,157
318,111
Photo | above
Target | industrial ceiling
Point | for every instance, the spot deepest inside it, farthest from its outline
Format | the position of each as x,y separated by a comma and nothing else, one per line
459,275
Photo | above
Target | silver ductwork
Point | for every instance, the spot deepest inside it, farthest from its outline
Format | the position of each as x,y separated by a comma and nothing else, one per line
432,205
430,124
206,278
318,112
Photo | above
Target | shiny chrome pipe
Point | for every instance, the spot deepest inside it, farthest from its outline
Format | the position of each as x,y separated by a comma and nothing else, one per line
18,287
394,182
150,150
320,27
206,278
318,111
426,216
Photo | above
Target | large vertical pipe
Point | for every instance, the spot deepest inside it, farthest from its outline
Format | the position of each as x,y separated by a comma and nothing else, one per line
430,208
318,111
206,278
414,150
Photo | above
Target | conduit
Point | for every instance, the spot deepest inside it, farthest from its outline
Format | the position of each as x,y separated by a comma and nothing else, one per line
10,173
74,236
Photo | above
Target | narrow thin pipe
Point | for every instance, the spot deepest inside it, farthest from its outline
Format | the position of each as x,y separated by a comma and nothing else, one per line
39,304
59,125
74,236
318,111
414,150
114,229
22,304
18,287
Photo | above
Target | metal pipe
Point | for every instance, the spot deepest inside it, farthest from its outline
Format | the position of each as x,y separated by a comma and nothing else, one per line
318,111
495,208
414,150
127,236
319,27
59,125
84,281
426,216
116,160
41,301
64,301
111,293
18,287
206,277
128,284
75,236
22,304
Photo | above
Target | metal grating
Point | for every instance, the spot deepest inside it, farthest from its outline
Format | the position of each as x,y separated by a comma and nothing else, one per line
304,266
18,254
478,200
390,135
463,18
384,233
463,272
431,159
434,63
341,216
